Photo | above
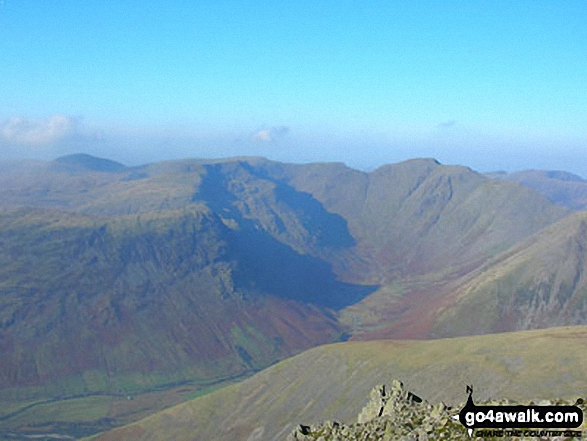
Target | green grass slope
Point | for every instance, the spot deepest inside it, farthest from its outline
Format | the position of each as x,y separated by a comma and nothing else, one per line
333,382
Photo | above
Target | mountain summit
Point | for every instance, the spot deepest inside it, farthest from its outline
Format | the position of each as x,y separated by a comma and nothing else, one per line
89,162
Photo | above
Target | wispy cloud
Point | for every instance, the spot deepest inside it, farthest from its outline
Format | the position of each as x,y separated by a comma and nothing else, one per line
42,132
270,134
447,124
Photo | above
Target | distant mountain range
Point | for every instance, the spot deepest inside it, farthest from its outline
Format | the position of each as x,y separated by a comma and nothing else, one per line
560,187
206,270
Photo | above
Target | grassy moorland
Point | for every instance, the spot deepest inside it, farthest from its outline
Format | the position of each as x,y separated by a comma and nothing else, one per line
333,383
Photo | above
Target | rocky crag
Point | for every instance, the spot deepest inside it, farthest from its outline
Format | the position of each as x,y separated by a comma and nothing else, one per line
397,414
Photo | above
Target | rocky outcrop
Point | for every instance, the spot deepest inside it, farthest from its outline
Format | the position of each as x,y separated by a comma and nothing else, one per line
397,414
383,402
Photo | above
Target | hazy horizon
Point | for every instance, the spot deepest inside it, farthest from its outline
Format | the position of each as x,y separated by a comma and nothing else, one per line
489,85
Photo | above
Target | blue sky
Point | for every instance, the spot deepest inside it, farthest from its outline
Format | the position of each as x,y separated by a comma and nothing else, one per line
489,84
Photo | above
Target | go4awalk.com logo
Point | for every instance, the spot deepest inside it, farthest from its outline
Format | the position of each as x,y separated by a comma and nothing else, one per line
519,420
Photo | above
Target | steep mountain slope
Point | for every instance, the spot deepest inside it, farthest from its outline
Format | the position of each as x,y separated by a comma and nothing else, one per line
418,216
332,383
558,186
539,283
151,299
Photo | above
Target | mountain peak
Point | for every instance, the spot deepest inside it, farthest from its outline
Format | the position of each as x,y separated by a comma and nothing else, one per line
423,161
89,162
410,164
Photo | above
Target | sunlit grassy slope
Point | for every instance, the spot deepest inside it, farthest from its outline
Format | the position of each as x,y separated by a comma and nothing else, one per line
332,383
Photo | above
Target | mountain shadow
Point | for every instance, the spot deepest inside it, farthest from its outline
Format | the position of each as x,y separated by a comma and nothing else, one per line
270,267
262,243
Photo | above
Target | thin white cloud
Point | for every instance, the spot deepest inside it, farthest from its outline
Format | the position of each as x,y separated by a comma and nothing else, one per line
271,134
447,124
263,136
42,132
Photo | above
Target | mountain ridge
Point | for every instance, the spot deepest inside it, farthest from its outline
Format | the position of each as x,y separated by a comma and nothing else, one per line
261,260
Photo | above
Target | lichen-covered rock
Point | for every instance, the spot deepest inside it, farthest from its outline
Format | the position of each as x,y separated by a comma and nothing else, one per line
375,406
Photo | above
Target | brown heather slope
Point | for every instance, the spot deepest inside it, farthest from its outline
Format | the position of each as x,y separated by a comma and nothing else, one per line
539,283
332,383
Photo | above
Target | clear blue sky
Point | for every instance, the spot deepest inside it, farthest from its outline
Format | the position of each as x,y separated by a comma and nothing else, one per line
490,84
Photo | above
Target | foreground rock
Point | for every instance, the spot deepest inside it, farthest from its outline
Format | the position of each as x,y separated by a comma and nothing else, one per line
397,414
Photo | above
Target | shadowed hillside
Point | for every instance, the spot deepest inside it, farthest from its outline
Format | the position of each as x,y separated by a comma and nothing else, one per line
127,295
